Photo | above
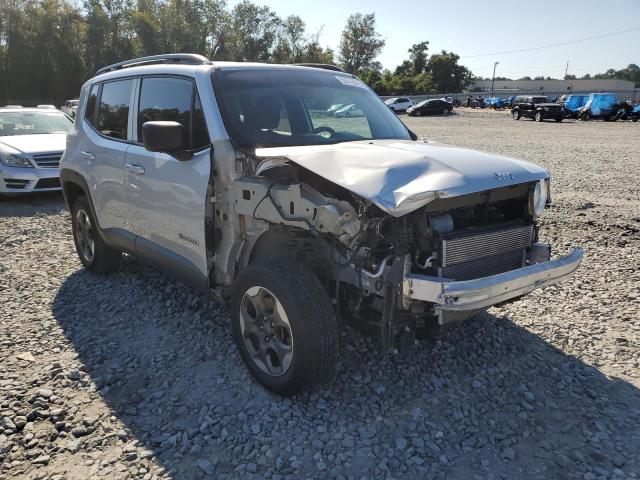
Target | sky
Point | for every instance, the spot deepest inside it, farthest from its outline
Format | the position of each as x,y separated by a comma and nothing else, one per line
473,27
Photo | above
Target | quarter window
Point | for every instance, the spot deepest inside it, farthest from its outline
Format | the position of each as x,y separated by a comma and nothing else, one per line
92,99
172,99
113,115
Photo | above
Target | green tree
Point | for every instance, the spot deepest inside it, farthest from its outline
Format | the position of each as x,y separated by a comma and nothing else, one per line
360,43
405,69
446,74
252,33
418,56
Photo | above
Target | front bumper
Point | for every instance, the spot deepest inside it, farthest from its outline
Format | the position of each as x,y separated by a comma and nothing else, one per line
472,295
25,180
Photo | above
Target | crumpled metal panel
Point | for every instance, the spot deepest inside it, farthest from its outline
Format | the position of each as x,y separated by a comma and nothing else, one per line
400,176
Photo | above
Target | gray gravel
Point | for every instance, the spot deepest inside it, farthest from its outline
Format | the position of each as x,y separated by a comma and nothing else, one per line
135,376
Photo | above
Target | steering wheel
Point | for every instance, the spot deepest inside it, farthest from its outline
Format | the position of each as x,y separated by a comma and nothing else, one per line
328,130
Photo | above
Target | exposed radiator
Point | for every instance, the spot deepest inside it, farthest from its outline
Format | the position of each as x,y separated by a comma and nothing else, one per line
487,253
446,317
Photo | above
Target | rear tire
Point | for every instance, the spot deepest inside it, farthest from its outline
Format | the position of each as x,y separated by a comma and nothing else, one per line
94,253
516,114
284,301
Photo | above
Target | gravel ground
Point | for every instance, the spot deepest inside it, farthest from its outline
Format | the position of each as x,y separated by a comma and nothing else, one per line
135,376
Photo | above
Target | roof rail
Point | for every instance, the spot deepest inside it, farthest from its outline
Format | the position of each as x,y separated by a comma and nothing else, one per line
185,58
324,66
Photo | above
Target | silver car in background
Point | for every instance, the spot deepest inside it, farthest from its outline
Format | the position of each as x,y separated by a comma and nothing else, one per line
32,141
70,107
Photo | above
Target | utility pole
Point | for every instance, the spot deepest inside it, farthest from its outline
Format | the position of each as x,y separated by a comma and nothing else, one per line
566,70
494,77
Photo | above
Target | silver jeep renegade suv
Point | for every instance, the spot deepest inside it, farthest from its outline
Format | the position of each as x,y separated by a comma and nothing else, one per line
237,179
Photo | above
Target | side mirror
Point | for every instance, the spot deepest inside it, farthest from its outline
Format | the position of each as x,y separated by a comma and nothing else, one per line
166,137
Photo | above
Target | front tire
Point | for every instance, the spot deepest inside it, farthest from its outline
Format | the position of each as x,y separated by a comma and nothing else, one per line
538,117
516,114
284,326
94,253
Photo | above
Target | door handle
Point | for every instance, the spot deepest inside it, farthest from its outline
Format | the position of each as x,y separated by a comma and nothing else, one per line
88,155
135,169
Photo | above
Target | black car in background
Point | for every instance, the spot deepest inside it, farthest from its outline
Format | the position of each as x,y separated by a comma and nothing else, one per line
430,107
537,107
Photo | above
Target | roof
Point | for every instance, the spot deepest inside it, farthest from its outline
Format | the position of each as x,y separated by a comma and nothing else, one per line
196,64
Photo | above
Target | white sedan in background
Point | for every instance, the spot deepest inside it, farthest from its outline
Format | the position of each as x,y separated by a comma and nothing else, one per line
399,104
32,141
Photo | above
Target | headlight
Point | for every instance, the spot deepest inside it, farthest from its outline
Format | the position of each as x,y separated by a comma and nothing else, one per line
11,160
538,198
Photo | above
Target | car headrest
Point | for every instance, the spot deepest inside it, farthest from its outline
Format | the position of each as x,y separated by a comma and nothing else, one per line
265,114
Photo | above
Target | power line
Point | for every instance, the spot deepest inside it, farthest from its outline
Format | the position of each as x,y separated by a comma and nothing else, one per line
551,45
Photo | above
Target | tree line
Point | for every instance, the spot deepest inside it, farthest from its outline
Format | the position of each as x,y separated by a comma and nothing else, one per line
631,73
48,48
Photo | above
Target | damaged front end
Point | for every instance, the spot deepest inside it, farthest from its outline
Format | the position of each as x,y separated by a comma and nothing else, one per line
436,257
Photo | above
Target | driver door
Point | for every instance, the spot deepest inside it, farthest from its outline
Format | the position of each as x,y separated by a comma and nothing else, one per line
167,196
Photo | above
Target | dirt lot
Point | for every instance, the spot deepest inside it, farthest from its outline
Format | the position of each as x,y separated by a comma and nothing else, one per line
135,376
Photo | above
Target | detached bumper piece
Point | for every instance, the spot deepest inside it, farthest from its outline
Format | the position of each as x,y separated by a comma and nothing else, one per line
456,300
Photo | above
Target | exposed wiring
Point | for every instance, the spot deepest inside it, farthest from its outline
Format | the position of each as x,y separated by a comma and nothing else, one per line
278,208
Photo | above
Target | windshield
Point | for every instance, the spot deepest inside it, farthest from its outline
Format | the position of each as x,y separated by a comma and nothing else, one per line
280,107
540,100
33,123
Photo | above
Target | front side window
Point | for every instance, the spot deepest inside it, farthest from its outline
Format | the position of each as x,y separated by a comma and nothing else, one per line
278,107
172,99
113,113
33,123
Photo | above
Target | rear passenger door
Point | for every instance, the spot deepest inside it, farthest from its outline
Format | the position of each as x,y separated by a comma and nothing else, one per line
103,150
167,196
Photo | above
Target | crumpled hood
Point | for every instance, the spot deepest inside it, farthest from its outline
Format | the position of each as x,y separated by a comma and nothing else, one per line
43,143
400,176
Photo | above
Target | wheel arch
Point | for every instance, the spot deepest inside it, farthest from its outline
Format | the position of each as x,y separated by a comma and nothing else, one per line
73,186
296,244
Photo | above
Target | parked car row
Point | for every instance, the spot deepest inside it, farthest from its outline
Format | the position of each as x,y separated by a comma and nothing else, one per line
432,106
604,106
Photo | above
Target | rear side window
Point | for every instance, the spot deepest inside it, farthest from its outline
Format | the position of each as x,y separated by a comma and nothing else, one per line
113,114
92,100
175,100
